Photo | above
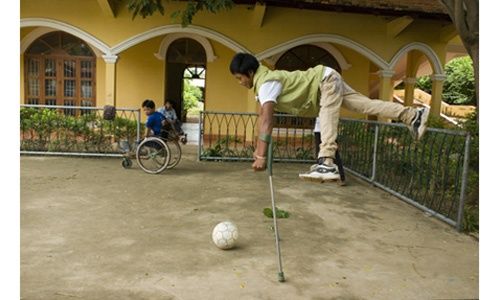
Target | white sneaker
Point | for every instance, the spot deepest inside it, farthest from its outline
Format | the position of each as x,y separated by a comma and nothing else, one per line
419,123
321,173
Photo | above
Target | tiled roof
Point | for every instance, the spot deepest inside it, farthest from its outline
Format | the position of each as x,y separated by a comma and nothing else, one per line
422,8
428,6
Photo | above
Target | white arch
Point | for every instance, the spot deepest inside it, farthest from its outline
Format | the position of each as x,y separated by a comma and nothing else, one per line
344,65
170,38
53,25
325,38
431,55
169,29
38,32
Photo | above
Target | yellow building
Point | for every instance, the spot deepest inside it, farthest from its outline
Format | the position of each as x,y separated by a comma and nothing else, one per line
92,53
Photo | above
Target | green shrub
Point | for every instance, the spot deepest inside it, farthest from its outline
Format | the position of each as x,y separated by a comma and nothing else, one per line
459,85
424,83
458,88
51,130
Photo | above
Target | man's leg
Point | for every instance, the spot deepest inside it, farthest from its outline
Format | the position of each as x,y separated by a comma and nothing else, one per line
331,90
414,118
386,109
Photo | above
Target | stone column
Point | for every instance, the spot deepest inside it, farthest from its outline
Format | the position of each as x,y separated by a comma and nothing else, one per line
409,90
437,93
110,79
386,89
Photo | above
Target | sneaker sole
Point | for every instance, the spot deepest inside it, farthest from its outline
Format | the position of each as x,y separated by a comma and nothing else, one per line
321,180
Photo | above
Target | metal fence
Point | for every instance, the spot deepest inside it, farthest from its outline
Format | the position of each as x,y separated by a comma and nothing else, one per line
76,130
430,174
232,136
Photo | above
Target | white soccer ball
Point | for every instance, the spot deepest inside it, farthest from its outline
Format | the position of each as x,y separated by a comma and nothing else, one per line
225,235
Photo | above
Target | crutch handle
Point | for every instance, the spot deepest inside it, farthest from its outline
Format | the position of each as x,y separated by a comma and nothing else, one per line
270,157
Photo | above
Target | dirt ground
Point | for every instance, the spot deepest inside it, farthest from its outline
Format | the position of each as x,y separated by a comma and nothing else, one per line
93,230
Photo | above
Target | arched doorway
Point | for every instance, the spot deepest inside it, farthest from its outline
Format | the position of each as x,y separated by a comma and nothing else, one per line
60,70
185,59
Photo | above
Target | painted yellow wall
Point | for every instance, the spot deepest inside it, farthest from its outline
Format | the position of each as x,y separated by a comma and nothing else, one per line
140,75
99,86
223,93
367,30
24,31
22,80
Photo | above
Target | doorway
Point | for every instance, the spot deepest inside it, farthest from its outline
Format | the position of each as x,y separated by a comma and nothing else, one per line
185,75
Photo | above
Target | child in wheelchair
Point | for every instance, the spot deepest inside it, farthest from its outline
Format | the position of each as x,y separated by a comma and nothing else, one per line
173,123
158,125
159,149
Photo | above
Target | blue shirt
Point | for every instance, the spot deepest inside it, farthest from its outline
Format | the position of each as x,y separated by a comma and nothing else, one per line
154,122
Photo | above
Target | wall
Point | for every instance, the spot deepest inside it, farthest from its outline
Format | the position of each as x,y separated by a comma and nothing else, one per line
223,92
140,75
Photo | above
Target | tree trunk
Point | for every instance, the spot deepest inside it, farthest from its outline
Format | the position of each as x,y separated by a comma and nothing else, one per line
474,53
465,16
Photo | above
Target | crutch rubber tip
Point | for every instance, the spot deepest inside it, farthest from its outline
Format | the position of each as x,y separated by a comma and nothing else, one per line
281,277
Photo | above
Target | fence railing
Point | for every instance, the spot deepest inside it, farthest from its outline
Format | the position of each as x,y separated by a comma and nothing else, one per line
430,174
76,130
232,136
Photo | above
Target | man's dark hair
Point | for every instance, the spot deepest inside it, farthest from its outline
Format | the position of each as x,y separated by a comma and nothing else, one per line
244,63
149,104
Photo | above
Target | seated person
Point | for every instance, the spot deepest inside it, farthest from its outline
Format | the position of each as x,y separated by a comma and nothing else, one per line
169,113
155,121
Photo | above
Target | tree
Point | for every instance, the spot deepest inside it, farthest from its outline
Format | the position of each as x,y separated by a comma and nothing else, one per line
146,8
191,95
465,16
459,86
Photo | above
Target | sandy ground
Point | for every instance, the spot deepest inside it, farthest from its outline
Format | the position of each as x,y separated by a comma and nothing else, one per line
93,230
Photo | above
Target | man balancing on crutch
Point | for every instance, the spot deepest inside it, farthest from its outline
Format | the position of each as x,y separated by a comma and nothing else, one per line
316,92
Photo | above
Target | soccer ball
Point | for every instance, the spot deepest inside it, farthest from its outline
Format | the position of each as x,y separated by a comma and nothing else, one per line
225,235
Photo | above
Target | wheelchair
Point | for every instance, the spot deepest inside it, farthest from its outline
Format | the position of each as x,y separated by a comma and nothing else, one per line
154,154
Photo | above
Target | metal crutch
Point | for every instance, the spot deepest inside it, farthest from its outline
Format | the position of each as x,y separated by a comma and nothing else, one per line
281,275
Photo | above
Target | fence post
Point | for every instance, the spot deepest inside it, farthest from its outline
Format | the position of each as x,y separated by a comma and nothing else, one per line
375,146
200,137
138,135
463,188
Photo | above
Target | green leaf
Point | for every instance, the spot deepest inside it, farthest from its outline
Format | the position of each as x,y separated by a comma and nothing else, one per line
280,214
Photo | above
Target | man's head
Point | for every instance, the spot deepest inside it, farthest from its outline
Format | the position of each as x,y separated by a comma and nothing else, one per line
148,106
168,104
243,67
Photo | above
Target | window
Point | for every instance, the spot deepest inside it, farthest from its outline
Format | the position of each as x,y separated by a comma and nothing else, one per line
60,70
304,57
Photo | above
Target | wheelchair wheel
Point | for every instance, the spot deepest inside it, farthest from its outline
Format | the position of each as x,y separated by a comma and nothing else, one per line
126,163
175,152
153,155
